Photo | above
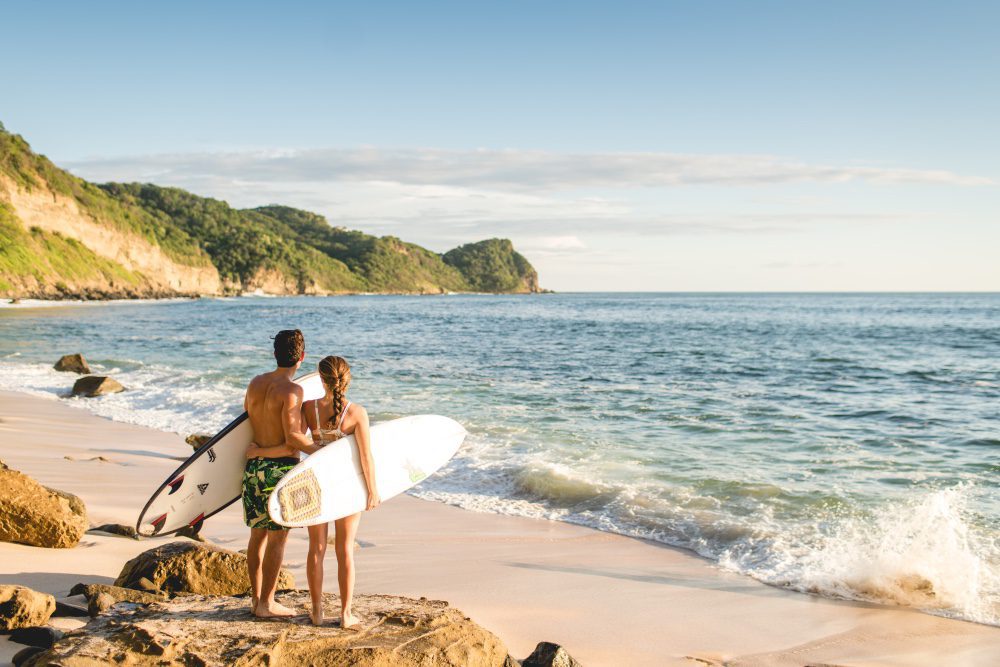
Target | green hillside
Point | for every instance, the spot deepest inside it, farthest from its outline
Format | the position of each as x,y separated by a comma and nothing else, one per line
285,249
494,266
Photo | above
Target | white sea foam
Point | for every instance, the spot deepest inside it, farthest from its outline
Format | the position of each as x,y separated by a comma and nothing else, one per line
157,397
927,553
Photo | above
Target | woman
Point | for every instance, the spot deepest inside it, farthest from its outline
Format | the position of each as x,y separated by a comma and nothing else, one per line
331,418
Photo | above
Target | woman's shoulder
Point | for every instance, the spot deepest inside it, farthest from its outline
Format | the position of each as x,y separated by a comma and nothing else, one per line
356,411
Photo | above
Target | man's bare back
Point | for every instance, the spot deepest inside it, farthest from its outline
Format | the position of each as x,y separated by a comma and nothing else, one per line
273,403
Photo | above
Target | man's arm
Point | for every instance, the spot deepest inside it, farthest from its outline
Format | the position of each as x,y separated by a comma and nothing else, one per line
291,423
295,439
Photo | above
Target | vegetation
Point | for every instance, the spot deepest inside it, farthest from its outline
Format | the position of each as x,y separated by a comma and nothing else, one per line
386,263
494,266
297,248
35,255
29,170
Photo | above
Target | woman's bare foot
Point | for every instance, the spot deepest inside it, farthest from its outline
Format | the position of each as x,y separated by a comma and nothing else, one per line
349,621
274,610
253,605
316,616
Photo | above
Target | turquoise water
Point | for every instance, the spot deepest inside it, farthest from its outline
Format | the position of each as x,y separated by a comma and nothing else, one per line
845,445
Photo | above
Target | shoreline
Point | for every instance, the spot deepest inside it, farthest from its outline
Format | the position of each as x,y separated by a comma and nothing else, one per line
607,598
71,298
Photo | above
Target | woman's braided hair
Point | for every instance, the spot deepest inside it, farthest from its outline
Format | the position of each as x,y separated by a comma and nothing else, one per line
336,374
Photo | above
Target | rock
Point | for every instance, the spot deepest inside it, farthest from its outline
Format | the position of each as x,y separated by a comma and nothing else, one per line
190,567
118,529
22,607
22,656
547,654
214,630
36,636
73,363
196,440
147,585
115,594
96,385
33,514
100,603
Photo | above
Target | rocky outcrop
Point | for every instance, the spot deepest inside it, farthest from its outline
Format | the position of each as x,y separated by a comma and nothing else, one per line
192,567
73,363
36,515
96,385
547,654
54,212
22,607
200,630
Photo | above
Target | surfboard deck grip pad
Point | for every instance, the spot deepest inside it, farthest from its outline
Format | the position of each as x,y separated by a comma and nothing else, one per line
300,498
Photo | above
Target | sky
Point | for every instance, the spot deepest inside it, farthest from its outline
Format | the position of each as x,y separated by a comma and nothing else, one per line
622,146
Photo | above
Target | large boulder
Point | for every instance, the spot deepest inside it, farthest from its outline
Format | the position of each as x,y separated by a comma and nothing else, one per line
22,607
37,515
96,385
199,630
192,567
73,363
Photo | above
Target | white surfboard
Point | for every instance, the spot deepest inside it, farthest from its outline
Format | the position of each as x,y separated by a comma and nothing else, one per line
211,479
330,484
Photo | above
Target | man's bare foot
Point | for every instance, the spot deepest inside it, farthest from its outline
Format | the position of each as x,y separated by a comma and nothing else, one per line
316,616
274,610
350,622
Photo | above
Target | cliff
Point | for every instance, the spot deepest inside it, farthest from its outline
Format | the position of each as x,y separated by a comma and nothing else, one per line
61,236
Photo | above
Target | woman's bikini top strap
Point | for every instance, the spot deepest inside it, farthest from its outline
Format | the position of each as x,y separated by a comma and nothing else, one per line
342,416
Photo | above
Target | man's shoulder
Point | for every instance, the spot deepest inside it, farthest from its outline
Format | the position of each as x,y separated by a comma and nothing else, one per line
290,388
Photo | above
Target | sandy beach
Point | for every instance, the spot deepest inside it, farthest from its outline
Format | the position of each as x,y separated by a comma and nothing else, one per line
609,600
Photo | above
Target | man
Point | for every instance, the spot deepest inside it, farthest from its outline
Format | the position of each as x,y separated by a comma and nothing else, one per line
273,403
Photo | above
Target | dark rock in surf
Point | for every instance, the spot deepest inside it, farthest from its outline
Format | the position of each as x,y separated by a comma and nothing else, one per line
547,654
96,385
191,567
36,515
196,440
43,637
73,363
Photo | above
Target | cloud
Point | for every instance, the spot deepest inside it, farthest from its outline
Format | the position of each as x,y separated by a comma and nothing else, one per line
504,170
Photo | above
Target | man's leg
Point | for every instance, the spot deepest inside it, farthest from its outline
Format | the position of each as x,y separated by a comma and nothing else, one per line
274,553
255,556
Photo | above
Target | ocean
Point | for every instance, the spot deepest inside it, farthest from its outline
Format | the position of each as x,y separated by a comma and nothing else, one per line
843,445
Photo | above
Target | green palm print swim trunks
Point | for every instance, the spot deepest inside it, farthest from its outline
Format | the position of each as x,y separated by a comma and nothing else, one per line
260,476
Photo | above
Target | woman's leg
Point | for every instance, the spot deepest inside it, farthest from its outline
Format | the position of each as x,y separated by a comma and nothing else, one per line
346,529
314,569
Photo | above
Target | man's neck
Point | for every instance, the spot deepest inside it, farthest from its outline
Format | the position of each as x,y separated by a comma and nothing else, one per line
286,372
